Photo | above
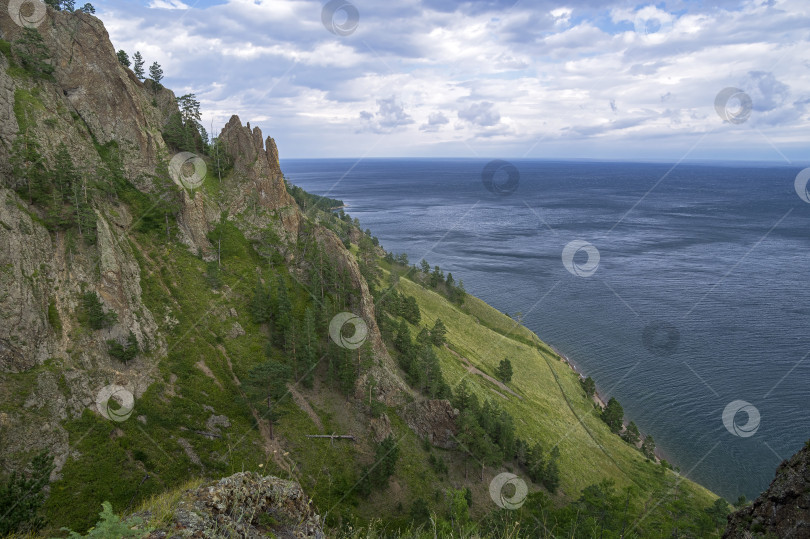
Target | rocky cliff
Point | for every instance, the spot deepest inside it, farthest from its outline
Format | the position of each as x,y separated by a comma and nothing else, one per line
783,510
91,101
95,106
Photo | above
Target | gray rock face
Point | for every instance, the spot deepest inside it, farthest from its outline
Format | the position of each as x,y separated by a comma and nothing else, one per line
110,100
434,420
255,164
26,263
389,386
783,510
245,505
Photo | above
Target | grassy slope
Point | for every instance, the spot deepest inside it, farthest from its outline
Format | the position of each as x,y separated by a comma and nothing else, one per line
112,459
554,409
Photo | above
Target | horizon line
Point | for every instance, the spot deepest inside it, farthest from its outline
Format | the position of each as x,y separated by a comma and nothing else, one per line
774,162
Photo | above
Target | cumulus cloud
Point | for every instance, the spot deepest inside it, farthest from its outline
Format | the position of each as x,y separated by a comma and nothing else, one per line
482,114
390,115
581,82
766,92
435,121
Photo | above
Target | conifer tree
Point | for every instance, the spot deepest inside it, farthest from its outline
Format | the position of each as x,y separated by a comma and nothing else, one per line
283,311
123,58
438,333
631,434
648,447
309,348
613,414
156,74
504,371
138,65
33,55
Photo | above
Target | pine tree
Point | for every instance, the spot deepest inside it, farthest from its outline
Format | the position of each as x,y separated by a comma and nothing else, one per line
65,183
21,496
613,415
261,304
588,386
93,313
648,447
283,311
436,277
631,434
438,333
29,175
174,132
124,352
551,474
138,65
123,58
266,389
309,348
33,55
423,338
156,74
168,203
404,344
504,371
190,116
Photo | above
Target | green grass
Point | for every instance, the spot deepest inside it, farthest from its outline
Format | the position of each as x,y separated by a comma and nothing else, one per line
553,410
26,103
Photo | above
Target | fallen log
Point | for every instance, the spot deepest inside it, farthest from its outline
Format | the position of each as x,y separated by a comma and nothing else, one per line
333,436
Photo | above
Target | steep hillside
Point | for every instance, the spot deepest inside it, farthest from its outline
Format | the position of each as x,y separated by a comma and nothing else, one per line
172,309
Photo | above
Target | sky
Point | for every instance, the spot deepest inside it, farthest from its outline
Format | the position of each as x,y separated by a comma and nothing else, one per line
679,80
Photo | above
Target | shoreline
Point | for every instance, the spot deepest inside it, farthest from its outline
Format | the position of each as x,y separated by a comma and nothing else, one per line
660,453
573,366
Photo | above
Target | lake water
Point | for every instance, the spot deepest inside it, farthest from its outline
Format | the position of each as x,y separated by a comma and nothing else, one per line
712,261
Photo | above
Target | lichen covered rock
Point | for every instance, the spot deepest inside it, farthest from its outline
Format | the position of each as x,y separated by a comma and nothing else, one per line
245,505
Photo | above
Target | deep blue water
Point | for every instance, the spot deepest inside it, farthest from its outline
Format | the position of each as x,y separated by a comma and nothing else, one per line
718,254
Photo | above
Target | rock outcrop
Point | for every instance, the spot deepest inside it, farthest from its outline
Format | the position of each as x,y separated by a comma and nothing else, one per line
783,510
245,505
255,161
433,420
390,388
109,100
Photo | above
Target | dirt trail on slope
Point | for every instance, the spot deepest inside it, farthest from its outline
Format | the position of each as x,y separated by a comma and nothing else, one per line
303,404
472,369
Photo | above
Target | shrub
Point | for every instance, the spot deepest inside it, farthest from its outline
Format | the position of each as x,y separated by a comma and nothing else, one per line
94,314
111,525
21,496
